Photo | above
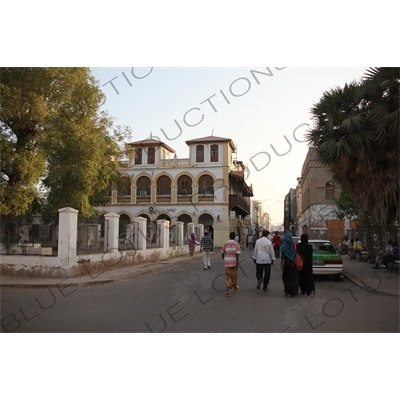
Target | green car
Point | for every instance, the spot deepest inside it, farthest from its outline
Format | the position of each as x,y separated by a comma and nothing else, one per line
326,260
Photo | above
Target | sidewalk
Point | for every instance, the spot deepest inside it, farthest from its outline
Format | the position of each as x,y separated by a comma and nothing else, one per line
358,272
374,280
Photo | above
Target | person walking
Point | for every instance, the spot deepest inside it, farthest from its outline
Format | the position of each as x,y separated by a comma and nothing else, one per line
254,240
192,243
249,240
243,246
277,241
306,277
289,271
207,247
263,258
230,253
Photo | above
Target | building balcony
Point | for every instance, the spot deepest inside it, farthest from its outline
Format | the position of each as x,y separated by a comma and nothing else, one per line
239,204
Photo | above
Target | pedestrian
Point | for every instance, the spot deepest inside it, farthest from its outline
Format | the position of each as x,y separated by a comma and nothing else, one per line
192,243
289,272
243,246
306,277
230,253
351,249
357,247
263,258
249,240
254,241
237,239
207,247
277,241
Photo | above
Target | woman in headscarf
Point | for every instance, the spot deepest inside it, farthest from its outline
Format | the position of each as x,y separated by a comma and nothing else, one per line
192,243
306,278
289,275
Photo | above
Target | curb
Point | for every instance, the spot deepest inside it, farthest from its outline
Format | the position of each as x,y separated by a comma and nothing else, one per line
54,285
364,286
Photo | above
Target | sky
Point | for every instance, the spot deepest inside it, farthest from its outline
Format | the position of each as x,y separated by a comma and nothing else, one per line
264,110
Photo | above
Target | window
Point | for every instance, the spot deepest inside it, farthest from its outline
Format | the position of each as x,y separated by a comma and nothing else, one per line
214,153
151,157
163,185
206,185
200,153
126,190
330,191
143,186
184,185
138,157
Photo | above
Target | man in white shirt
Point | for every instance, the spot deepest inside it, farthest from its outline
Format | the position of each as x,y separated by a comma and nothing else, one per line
263,257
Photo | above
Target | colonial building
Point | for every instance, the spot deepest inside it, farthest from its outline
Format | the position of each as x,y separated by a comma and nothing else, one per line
315,193
290,212
207,187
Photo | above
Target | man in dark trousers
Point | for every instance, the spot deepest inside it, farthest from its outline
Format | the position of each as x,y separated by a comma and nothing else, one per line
263,257
277,244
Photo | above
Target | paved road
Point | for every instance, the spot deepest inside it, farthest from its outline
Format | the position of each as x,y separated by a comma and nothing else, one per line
185,298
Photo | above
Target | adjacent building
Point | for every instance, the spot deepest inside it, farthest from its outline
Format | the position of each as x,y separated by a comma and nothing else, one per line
315,193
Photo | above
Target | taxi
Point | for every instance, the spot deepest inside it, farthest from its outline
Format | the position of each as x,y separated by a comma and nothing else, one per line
326,260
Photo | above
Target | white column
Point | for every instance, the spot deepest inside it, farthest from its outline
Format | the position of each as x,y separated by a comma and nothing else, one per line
190,228
113,227
163,228
200,231
67,232
140,233
179,233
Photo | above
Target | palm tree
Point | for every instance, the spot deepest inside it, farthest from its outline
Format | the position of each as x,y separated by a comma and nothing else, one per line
355,133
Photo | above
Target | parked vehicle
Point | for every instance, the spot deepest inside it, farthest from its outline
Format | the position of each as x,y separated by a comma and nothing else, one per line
326,259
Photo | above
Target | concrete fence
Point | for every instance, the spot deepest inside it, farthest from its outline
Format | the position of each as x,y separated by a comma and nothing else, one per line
69,263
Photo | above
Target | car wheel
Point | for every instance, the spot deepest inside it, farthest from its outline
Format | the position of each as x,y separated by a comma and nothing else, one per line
337,277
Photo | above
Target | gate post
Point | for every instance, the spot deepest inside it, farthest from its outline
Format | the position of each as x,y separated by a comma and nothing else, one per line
112,232
179,233
140,233
67,233
163,226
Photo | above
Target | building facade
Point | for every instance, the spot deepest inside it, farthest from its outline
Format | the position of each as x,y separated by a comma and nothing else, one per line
207,187
315,194
290,212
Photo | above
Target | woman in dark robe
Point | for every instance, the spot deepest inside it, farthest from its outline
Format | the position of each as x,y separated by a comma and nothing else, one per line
289,275
306,278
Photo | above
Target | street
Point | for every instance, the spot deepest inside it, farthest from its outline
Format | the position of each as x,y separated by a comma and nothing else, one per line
185,298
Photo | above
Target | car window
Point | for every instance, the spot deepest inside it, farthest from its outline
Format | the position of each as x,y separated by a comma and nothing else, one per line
323,248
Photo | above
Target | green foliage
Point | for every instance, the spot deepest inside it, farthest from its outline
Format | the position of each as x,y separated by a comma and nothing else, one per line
52,133
346,208
355,133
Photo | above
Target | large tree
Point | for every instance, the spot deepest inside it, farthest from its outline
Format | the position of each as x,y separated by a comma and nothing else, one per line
53,134
355,133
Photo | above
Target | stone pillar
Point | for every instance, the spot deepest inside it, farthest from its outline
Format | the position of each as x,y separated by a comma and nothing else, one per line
140,233
67,233
179,233
111,236
163,228
190,228
199,229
